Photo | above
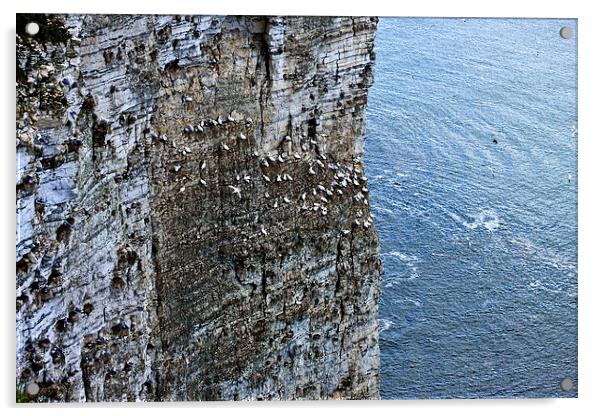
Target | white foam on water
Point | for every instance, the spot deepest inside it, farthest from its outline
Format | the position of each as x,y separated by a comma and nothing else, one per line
384,324
486,218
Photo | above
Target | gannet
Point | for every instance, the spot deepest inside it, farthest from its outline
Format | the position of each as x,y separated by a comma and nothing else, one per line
242,136
247,178
278,178
235,190
182,189
266,178
202,181
285,199
263,231
204,165
225,147
312,171
280,159
177,168
297,156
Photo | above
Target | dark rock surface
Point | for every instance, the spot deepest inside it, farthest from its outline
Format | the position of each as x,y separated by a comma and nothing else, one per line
192,212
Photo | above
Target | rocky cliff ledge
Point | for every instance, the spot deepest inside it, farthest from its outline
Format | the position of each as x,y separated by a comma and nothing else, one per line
192,212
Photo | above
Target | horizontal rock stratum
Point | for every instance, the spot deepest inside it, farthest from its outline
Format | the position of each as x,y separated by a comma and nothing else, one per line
193,220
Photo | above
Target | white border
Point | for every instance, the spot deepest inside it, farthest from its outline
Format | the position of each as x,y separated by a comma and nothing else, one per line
590,160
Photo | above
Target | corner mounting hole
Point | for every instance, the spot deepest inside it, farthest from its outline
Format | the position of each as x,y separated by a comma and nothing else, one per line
566,384
32,389
566,32
32,28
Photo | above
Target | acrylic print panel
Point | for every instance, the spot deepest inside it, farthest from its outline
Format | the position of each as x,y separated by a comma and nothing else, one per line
283,208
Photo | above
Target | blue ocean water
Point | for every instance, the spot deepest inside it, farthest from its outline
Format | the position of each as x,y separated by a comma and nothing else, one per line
478,239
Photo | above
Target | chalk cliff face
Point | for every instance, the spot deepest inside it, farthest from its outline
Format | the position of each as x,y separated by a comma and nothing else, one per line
192,212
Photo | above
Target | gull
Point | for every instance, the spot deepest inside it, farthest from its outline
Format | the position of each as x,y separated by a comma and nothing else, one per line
365,190
242,136
345,232
275,204
187,99
198,128
321,188
357,222
328,192
235,190
271,158
267,178
285,199
204,165
287,177
344,183
364,179
313,191
230,119
238,177
255,153
312,171
278,178
297,156
322,156
224,147
265,163
177,168
263,231
182,189
366,224
249,120
187,149
163,138
323,199
280,159
202,181
188,129
267,195
320,163
220,120
324,211
356,183
303,196
339,192
247,178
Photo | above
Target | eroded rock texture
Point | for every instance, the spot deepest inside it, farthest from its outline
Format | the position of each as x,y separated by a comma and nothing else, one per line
192,212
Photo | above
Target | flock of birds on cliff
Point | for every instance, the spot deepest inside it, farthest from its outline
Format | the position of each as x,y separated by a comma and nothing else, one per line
345,177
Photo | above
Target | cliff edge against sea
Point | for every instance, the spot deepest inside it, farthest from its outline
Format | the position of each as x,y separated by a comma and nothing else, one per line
193,220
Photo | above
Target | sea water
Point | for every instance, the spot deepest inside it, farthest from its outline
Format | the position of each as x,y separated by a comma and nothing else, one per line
478,239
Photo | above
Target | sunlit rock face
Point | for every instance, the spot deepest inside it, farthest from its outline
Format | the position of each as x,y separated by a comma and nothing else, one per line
193,220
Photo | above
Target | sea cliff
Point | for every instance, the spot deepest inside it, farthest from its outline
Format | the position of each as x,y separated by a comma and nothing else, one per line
193,217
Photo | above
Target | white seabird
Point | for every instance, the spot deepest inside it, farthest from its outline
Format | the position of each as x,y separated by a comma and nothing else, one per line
255,153
321,188
242,136
285,199
263,231
266,178
320,163
247,178
339,192
238,177
280,159
265,163
224,147
297,156
275,204
324,200
303,196
312,171
204,165
235,190
182,189
278,178
177,168
202,181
